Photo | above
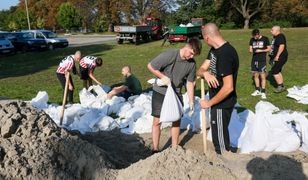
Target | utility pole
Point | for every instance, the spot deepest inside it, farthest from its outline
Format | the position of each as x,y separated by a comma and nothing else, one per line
27,14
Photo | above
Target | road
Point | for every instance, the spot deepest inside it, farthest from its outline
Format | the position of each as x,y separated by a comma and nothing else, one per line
84,40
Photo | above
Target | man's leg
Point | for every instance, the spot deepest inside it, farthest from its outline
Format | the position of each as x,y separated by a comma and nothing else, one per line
257,80
175,133
215,130
156,133
225,117
278,78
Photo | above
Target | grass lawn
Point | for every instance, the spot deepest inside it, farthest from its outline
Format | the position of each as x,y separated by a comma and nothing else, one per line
23,75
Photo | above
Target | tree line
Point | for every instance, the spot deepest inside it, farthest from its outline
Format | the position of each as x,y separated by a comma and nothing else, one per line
102,15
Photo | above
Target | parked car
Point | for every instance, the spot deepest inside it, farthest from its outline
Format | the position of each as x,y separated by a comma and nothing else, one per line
24,41
51,38
6,46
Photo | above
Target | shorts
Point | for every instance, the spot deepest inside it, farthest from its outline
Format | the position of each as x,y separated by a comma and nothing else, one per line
258,66
84,73
157,102
277,67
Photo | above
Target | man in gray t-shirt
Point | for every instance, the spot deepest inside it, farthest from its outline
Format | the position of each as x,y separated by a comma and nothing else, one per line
172,67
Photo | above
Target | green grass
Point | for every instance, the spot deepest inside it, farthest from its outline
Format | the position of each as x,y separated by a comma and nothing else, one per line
23,75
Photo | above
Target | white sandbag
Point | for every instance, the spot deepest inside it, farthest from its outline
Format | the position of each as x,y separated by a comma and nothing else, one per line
144,124
172,109
142,99
40,101
134,113
235,128
129,129
123,109
299,93
99,91
106,123
263,107
106,88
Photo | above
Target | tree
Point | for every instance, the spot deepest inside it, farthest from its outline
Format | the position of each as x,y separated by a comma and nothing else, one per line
248,8
68,17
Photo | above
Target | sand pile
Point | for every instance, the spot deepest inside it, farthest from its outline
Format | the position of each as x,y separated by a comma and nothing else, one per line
178,164
32,146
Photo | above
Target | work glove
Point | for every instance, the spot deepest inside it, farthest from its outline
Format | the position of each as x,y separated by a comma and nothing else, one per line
191,109
165,80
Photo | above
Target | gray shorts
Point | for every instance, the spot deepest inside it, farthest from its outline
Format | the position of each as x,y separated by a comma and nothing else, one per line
157,102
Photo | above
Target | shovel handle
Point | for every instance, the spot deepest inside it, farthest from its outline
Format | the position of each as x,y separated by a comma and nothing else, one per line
67,78
203,117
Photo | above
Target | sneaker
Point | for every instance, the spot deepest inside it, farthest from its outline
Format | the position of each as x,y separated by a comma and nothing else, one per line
256,93
280,89
263,96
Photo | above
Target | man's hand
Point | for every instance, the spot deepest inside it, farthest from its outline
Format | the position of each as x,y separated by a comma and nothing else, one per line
211,80
276,58
204,104
258,51
191,109
166,81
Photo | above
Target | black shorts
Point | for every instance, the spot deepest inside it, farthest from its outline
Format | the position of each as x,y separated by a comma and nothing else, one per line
84,73
157,102
277,67
258,66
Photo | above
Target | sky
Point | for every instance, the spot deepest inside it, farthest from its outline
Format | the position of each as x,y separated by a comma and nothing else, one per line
6,4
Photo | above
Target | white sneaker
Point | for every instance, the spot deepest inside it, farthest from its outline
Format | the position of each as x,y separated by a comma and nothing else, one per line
256,93
263,96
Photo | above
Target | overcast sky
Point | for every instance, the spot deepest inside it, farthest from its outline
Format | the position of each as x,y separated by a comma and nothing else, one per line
6,4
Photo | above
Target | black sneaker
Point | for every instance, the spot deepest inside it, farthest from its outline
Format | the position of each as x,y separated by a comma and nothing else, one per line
280,89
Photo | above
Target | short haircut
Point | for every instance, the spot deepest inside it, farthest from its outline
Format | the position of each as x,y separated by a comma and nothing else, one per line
128,67
255,32
195,44
78,53
99,61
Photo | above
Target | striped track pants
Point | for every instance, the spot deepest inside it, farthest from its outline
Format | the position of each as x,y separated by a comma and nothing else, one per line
220,119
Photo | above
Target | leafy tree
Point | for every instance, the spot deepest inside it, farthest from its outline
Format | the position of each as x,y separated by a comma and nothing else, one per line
68,17
248,8
40,22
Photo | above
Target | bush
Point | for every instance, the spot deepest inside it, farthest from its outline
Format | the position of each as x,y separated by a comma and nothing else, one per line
281,23
228,25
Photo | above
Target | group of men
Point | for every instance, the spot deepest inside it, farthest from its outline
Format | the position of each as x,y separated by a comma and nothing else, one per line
87,65
259,47
172,67
220,71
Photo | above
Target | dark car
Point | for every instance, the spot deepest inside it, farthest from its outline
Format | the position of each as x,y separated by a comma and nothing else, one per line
24,41
6,46
51,38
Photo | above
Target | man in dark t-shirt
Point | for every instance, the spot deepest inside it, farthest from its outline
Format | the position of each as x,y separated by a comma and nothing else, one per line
279,56
220,71
259,45
172,67
130,87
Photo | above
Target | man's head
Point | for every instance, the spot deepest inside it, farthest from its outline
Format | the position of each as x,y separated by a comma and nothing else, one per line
77,56
275,30
192,48
126,71
211,33
255,33
99,61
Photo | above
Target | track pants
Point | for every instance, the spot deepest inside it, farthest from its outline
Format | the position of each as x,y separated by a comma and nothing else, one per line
62,80
220,119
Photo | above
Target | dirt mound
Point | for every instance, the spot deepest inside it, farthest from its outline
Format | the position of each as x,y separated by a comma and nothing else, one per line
33,147
177,164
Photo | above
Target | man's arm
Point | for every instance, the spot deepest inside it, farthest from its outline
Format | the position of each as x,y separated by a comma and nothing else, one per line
116,90
190,91
155,72
91,75
268,49
250,49
226,89
280,49
203,72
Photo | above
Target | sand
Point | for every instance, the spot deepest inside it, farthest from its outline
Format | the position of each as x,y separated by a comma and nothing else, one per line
33,147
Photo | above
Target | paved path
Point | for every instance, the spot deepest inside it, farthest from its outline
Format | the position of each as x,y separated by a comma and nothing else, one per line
84,40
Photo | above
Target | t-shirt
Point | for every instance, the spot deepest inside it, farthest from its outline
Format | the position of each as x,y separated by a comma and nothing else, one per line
224,62
133,84
88,62
173,66
66,64
276,42
262,44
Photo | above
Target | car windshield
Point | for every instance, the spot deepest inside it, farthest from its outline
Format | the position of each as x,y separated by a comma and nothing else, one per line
50,34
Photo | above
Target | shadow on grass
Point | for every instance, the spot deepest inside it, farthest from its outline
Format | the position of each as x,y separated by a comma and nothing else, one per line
33,62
